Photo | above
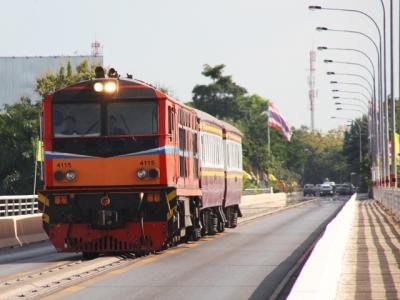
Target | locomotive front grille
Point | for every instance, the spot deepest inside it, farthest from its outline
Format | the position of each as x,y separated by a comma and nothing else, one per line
104,244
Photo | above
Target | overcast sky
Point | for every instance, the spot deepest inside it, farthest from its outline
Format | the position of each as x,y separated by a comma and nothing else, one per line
264,44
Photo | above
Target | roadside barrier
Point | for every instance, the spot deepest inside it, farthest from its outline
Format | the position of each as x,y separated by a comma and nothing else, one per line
319,277
8,233
29,229
390,198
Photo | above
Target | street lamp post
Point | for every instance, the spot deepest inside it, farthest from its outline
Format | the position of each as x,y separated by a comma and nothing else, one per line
381,130
330,73
353,105
392,103
375,117
352,99
355,84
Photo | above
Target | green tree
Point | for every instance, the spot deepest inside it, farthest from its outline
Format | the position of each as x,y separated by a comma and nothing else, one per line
51,82
19,129
221,97
351,150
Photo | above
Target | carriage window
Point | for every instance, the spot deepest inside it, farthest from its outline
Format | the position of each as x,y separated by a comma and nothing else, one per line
76,119
182,146
132,118
195,156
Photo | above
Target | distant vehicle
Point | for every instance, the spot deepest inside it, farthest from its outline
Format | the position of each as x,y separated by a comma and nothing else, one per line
309,189
317,189
345,189
326,190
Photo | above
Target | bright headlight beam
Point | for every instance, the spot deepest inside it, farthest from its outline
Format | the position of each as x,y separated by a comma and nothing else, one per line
98,87
110,87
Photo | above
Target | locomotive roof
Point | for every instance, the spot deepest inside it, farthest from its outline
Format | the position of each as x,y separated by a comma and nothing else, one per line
128,89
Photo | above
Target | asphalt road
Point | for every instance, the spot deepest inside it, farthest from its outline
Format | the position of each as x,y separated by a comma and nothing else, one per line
247,262
31,258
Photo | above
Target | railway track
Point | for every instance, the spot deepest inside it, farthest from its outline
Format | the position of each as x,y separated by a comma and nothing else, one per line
63,274
37,284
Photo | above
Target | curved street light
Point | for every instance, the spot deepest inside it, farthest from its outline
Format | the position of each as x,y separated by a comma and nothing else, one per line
317,7
352,99
330,73
382,129
353,92
354,84
352,50
353,105
331,61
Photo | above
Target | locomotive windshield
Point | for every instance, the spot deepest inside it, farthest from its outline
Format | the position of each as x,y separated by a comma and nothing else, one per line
122,118
132,118
81,119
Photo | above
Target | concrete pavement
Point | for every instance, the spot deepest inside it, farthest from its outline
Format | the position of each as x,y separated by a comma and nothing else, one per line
371,266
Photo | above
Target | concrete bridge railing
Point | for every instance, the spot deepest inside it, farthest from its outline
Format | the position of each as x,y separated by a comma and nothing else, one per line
18,205
390,198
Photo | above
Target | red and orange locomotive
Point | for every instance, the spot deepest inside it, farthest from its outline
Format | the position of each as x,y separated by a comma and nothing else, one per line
128,168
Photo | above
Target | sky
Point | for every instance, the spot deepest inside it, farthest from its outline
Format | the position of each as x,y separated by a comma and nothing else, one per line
264,44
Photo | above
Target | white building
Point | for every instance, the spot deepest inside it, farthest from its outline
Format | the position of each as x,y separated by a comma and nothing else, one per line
18,74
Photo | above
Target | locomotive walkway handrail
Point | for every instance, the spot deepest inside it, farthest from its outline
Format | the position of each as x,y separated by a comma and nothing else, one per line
18,205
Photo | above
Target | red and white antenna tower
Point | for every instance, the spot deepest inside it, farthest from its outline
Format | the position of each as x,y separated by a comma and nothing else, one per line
97,50
312,94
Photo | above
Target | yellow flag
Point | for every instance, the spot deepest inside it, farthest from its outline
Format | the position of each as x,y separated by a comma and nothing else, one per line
271,177
39,151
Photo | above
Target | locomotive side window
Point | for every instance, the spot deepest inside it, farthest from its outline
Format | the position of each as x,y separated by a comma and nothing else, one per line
76,119
195,156
170,120
132,118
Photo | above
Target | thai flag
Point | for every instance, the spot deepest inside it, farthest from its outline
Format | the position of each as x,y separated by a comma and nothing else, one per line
275,120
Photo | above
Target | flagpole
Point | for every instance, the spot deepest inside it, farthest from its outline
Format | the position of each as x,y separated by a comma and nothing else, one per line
35,173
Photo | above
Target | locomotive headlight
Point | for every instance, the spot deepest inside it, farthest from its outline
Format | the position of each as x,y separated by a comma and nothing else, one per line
141,174
59,175
98,87
110,87
70,175
154,173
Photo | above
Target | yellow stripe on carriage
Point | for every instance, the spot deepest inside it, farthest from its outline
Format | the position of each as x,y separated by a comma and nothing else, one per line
212,173
232,137
212,129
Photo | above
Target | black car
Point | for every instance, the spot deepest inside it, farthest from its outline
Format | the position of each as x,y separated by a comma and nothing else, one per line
309,189
345,189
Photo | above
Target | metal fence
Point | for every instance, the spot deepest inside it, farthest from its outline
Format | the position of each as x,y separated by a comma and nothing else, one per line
390,198
18,205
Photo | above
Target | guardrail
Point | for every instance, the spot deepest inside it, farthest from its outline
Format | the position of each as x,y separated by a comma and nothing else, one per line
18,205
256,191
389,197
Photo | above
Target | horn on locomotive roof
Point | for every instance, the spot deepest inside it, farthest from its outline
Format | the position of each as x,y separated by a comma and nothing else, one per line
112,73
100,72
